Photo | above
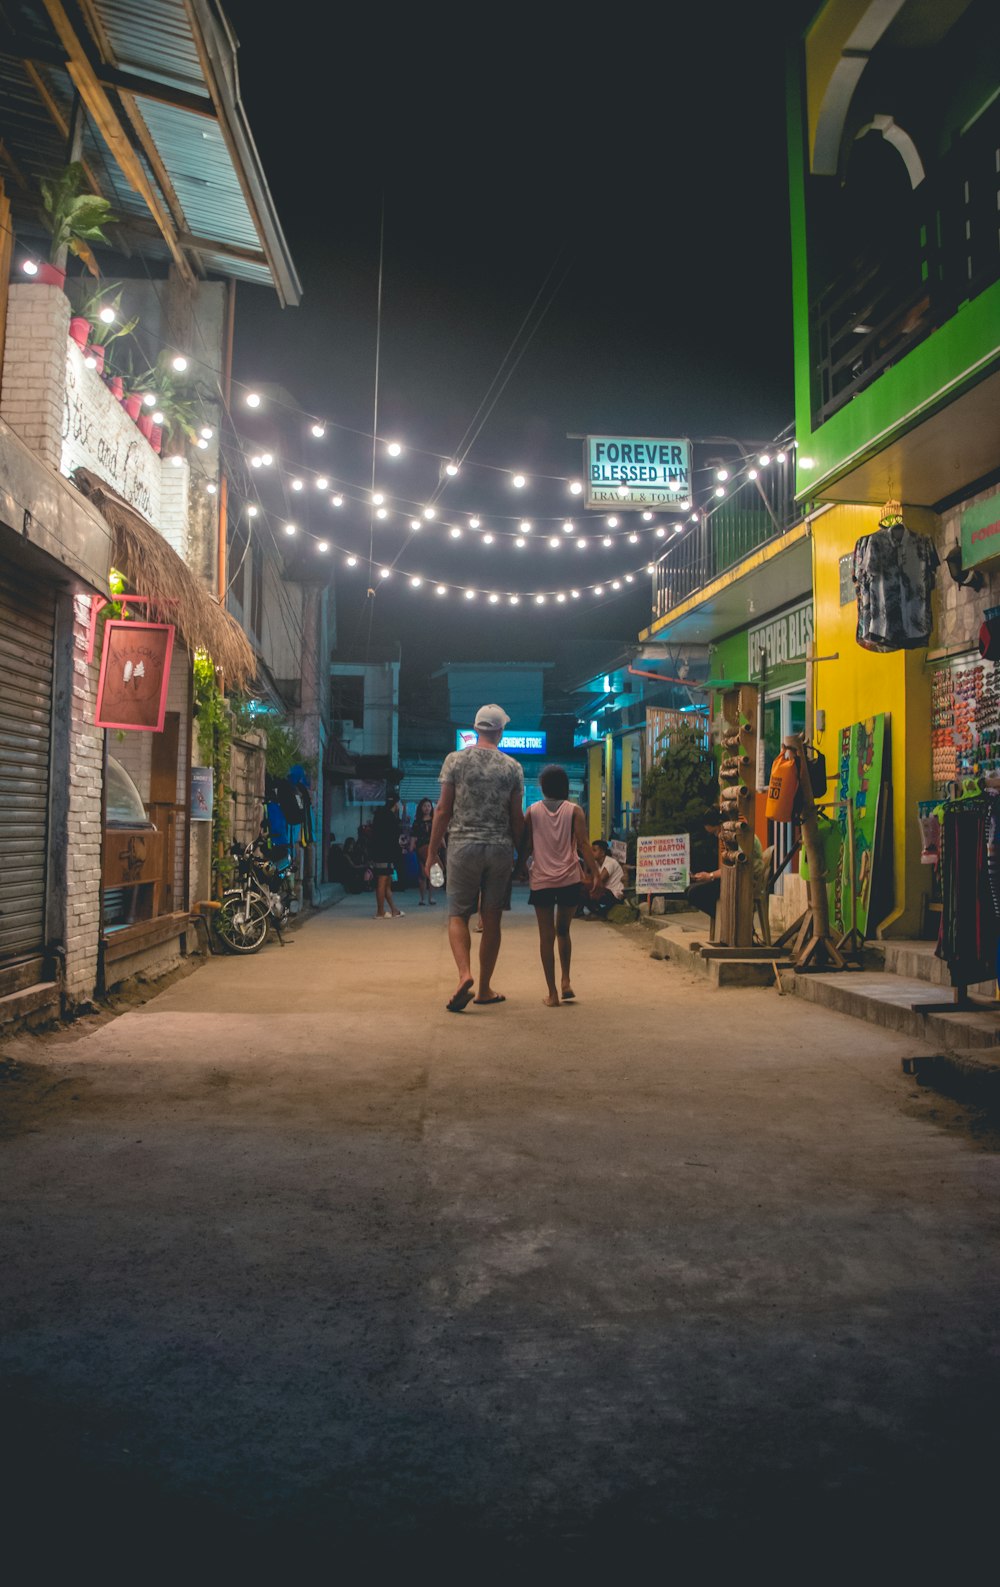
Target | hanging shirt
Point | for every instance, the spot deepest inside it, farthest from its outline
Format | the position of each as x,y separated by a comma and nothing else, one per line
893,571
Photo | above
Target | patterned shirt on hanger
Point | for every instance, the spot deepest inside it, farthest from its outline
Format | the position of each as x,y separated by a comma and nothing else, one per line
893,571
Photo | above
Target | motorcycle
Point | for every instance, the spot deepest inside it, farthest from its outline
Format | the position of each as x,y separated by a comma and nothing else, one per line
264,895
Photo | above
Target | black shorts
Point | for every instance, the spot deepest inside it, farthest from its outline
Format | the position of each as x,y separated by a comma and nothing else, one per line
383,867
558,897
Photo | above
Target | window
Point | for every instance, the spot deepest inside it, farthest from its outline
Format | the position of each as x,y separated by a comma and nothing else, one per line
348,699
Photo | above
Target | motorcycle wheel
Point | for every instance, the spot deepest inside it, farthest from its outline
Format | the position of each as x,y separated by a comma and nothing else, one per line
242,924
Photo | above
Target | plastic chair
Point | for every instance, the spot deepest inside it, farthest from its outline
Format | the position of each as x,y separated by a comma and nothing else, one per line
762,894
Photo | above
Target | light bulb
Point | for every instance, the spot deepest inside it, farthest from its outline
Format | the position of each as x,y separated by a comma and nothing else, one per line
575,594
90,361
252,399
647,517
568,527
575,488
678,528
180,363
378,498
607,541
441,590
323,545
290,528
336,501
722,474
519,482
451,469
581,545
29,267
633,540
267,458
616,584
525,526
598,590
107,315
470,595
383,512
560,597
201,444
352,562
211,488
394,449
176,460
493,599
149,400
318,430
487,540
650,567
415,523
429,513
206,431
251,512
514,600
520,543
694,517
456,533
623,488
415,583
685,504
322,483
539,600
612,523
255,462
555,542
383,573
764,459
720,491
781,457
751,473
661,532
629,579
296,484
473,523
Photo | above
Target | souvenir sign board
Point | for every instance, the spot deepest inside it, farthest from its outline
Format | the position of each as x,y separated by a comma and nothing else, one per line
135,676
860,766
663,864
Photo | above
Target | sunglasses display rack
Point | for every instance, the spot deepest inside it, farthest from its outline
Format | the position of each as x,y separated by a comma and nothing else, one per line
965,722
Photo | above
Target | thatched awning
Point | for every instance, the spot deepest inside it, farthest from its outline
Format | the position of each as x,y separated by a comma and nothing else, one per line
176,596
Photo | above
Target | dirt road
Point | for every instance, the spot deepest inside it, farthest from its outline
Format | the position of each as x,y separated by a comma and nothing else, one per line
296,1266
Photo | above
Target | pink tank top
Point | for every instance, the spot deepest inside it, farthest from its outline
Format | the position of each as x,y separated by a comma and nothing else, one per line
554,862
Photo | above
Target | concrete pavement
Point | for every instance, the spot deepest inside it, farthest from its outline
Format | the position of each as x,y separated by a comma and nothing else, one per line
302,1273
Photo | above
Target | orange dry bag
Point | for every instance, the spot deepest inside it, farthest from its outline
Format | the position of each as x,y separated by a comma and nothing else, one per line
782,787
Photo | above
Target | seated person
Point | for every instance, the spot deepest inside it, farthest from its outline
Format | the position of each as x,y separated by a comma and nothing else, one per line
610,889
703,893
344,866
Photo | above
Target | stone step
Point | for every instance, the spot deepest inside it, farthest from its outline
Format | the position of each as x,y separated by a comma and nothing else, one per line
918,961
970,1075
684,946
31,1004
894,1001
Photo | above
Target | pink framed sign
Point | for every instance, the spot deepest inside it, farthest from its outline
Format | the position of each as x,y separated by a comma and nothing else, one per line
135,676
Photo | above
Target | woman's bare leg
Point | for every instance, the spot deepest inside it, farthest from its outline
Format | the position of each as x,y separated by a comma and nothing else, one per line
381,888
564,917
545,915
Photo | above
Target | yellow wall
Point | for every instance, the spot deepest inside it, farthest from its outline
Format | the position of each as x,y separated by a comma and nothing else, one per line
862,683
627,784
609,785
595,764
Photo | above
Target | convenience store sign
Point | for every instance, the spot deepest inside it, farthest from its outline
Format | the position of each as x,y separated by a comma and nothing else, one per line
981,531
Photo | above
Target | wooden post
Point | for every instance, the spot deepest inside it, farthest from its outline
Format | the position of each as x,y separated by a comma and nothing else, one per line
816,940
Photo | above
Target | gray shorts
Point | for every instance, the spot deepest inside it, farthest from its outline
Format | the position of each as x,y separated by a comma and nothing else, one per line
478,876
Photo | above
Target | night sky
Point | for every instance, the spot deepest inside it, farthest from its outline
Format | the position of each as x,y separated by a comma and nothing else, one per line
642,155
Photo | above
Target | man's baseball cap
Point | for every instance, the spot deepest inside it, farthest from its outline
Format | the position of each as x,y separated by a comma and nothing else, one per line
491,718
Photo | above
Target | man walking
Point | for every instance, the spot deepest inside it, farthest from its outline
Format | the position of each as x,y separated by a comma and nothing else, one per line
482,810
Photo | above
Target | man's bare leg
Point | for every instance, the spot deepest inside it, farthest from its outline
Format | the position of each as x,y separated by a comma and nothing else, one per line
489,948
460,942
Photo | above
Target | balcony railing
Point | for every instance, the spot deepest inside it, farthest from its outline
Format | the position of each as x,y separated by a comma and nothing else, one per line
758,512
908,279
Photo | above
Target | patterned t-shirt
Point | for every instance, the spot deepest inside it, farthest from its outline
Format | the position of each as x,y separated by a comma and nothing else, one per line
894,571
484,779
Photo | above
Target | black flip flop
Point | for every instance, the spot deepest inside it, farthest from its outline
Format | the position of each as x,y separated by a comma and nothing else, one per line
482,1001
460,999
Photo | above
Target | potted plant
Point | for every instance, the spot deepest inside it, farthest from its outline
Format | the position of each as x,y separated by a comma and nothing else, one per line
105,301
74,217
176,400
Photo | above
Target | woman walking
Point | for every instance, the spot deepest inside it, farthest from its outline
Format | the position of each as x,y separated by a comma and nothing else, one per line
385,856
556,837
420,834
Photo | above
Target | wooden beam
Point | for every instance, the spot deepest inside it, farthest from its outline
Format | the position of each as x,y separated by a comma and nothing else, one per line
19,48
157,167
106,120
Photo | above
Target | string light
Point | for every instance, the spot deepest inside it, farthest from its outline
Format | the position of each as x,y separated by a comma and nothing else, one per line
751,473
607,541
378,499
323,545
525,526
429,513
206,430
515,600
322,483
493,599
575,488
451,469
623,488
764,459
487,540
647,517
581,545
781,457
415,523
568,527
470,595
575,594
149,399
612,523
519,482
382,512
296,484
598,590
633,540
520,543
722,474
555,542
720,491
416,582
251,511
384,573
180,363
267,458
807,462
290,529
107,315
473,523
336,501
441,590
661,532
352,562
456,533
540,600
29,267
394,449
318,430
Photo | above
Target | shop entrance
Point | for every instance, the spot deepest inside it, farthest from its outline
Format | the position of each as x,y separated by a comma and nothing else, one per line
784,713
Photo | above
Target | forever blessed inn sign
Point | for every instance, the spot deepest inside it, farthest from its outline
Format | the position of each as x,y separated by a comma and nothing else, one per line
636,471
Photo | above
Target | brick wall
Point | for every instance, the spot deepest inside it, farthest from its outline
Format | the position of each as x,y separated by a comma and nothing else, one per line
32,399
959,609
83,857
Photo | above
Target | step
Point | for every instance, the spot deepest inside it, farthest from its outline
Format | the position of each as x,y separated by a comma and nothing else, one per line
683,945
41,1001
970,1075
894,1002
918,961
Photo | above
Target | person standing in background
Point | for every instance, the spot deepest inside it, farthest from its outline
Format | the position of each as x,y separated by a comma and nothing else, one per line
420,834
385,856
481,810
555,840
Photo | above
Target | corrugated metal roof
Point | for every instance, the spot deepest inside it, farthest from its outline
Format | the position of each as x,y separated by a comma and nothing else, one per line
194,152
155,40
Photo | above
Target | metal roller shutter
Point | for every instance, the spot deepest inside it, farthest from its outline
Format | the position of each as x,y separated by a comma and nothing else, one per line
27,629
